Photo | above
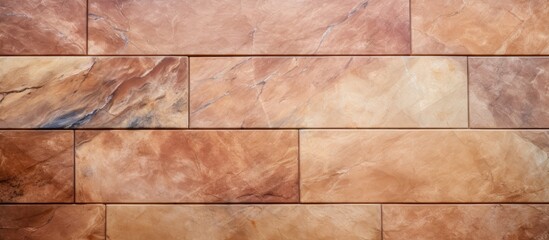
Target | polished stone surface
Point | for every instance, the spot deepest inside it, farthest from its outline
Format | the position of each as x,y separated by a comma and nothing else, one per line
52,222
93,92
453,222
186,166
30,27
500,27
305,92
36,166
258,222
424,166
509,92
249,27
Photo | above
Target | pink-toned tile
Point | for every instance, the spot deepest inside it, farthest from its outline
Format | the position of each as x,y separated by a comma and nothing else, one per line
29,27
186,166
509,92
302,92
424,166
249,27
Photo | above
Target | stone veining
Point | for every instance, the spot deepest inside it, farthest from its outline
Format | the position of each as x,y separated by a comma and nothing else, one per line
328,92
424,166
186,166
249,27
93,92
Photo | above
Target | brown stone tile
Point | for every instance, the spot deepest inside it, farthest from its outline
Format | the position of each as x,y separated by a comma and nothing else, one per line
42,27
487,222
249,27
52,222
290,92
243,222
36,166
186,166
501,27
424,166
93,92
509,92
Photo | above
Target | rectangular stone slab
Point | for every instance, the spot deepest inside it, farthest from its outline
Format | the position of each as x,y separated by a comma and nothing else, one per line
52,27
52,222
244,222
509,92
482,221
36,166
328,92
93,92
424,166
249,27
480,27
186,166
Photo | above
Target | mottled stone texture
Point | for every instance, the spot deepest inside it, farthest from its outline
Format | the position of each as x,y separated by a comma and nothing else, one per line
329,92
186,166
249,27
501,27
93,92
42,27
453,222
52,222
509,92
261,222
36,166
424,166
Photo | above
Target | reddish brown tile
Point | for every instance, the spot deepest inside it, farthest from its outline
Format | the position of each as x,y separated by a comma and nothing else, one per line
186,166
52,222
509,92
453,222
36,166
249,27
42,27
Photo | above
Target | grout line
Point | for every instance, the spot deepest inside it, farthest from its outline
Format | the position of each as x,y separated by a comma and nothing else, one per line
468,99
299,165
279,55
381,207
276,203
275,129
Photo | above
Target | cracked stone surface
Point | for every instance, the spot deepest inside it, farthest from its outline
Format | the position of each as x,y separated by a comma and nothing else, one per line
262,222
42,27
424,166
483,221
52,222
186,166
499,27
301,92
36,166
249,27
93,92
